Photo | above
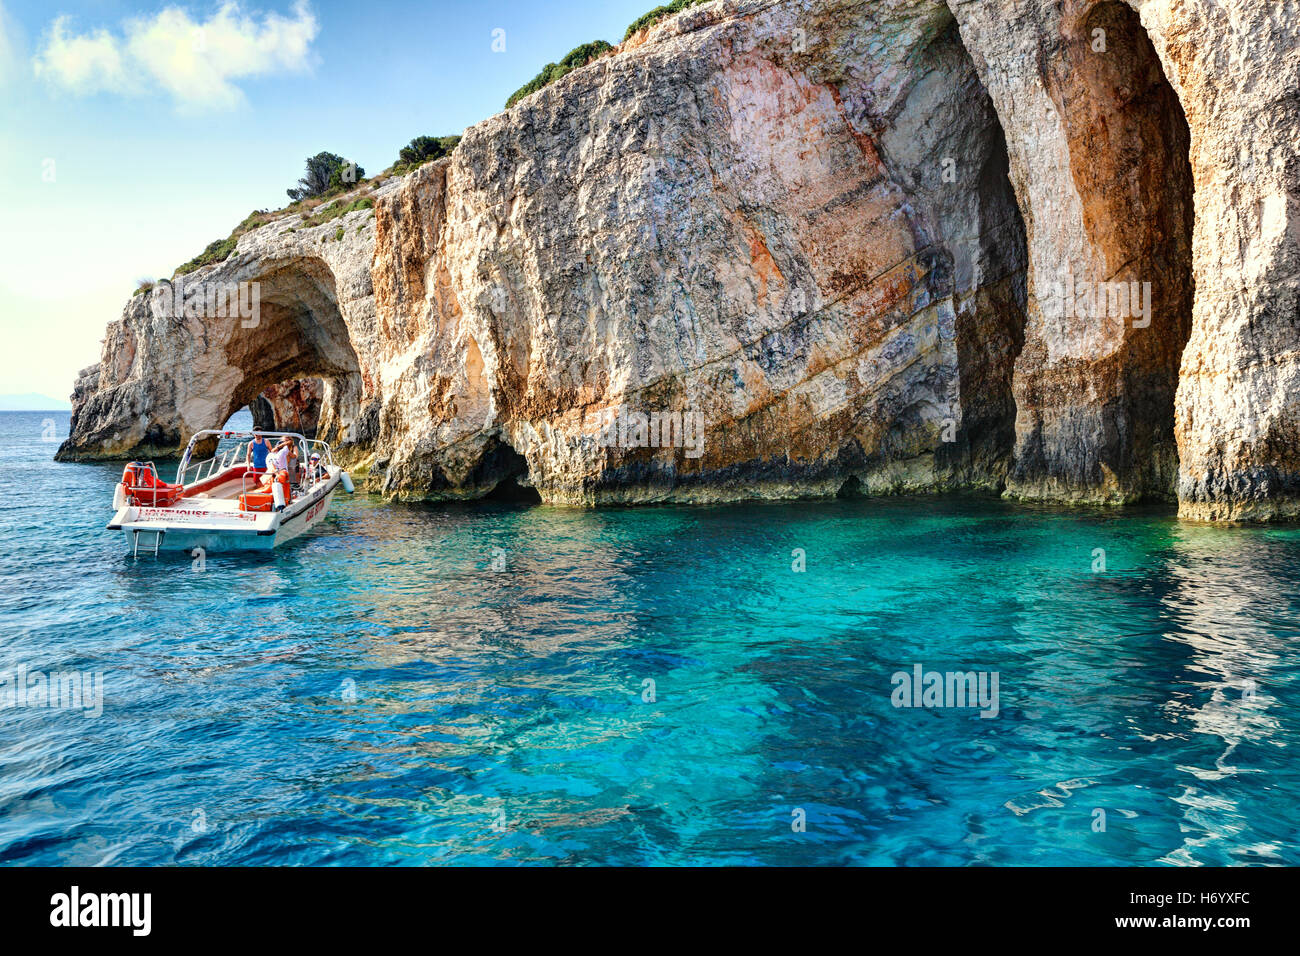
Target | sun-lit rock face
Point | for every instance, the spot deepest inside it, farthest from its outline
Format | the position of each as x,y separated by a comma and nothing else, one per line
795,248
188,354
762,228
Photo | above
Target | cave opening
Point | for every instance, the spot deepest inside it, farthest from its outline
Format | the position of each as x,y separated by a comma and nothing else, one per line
240,420
293,406
504,472
976,255
1096,397
300,371
1130,159
851,488
1085,408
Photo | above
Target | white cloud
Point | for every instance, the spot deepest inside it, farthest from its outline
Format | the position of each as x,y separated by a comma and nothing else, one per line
195,62
82,64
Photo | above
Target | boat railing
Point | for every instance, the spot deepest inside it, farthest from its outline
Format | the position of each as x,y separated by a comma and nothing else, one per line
218,463
323,449
193,472
257,477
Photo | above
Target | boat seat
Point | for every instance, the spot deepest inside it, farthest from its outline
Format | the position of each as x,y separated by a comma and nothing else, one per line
140,482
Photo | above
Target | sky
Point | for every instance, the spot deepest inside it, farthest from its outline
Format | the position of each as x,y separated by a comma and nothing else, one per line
133,134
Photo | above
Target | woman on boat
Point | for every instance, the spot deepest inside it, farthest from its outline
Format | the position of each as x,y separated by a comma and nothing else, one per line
258,449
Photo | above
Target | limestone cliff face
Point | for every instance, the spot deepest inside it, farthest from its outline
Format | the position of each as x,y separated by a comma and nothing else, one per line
791,248
175,364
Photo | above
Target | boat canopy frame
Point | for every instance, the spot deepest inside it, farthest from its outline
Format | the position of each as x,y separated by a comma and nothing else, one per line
305,444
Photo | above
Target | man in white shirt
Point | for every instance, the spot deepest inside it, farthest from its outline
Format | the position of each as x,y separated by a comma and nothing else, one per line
278,460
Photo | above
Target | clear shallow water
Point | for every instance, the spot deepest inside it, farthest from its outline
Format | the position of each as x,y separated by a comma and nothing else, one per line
377,694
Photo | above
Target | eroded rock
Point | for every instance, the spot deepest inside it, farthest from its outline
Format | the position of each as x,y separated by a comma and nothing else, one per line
848,240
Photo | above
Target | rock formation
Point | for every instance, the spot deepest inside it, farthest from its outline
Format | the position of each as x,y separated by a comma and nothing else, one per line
290,406
797,248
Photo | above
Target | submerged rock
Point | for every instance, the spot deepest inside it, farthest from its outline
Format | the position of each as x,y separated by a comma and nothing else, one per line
798,248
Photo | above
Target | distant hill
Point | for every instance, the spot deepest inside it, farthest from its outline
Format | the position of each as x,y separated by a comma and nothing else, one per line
33,402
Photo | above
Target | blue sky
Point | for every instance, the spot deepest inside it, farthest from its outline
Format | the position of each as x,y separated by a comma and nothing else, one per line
132,135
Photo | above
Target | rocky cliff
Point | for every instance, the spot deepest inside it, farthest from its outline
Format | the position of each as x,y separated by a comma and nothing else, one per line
798,248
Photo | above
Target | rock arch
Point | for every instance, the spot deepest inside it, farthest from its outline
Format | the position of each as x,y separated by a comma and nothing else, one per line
185,357
1099,151
300,335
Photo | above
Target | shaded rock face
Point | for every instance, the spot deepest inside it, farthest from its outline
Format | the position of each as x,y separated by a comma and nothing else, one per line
290,406
1098,390
801,248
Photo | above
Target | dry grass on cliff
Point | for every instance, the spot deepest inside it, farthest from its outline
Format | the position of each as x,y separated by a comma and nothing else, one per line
315,211
336,209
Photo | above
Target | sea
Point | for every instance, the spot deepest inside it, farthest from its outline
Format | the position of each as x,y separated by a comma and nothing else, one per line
932,681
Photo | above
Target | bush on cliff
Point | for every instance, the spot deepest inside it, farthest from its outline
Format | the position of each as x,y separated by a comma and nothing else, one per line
577,57
423,149
325,172
658,13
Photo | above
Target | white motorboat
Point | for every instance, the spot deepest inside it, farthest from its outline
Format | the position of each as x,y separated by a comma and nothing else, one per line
222,503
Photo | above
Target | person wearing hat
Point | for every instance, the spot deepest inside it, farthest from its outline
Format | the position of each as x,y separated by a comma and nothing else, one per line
315,469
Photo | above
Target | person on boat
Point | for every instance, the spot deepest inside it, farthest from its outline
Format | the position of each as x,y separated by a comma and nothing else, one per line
283,455
315,469
258,450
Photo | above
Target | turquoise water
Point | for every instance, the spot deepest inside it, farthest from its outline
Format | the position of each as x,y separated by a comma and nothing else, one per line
378,694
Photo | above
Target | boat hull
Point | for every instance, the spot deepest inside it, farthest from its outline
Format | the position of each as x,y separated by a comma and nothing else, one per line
191,526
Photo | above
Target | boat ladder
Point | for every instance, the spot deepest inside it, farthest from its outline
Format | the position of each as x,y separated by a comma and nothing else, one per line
135,540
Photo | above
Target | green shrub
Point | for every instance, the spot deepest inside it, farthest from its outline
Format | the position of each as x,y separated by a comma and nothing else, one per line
220,249
577,57
142,286
422,149
326,173
338,235
659,13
